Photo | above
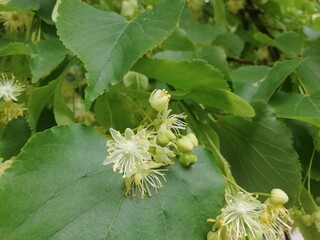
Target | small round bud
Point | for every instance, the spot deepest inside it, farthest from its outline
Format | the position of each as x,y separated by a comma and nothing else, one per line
129,8
278,197
306,220
188,159
135,80
184,145
162,140
159,99
193,139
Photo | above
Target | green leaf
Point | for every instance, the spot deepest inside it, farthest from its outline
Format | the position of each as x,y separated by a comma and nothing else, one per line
178,41
39,98
116,109
264,38
13,48
258,82
222,99
175,55
291,43
231,43
260,152
202,34
186,75
62,114
58,181
297,106
108,44
309,70
217,57
14,136
46,56
220,13
246,79
201,81
14,5
45,10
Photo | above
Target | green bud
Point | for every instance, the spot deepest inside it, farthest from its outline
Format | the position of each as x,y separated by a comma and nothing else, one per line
188,159
278,197
149,8
184,145
135,80
193,139
162,140
306,220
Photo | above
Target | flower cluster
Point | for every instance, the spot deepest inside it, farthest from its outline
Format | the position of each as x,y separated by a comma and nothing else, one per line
141,156
245,217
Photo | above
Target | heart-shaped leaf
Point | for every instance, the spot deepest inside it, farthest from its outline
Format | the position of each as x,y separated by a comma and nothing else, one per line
260,152
298,106
59,189
108,44
201,81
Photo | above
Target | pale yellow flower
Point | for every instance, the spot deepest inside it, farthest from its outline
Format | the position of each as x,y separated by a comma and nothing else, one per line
159,99
14,21
10,89
170,124
128,150
275,220
239,218
145,177
10,110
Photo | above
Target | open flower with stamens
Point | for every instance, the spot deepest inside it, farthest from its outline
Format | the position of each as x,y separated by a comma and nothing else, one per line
239,218
144,177
170,125
16,20
10,110
9,88
275,220
127,151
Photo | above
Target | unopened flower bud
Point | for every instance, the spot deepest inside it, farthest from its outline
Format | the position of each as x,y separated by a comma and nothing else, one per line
129,8
306,220
193,139
159,99
278,197
188,159
162,140
185,145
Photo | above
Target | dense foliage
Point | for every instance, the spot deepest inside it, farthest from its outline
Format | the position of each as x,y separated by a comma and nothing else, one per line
202,106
